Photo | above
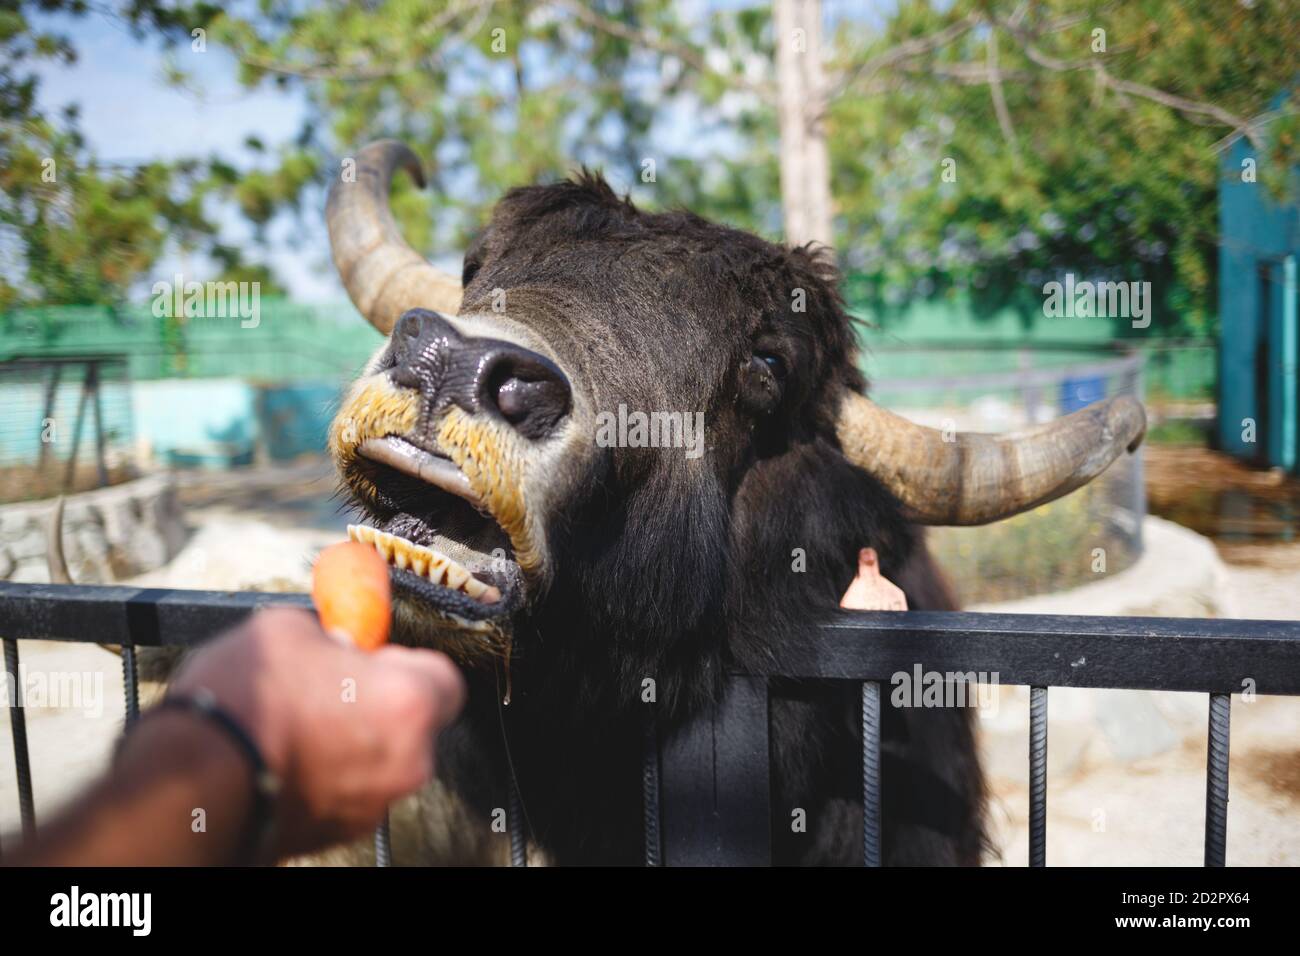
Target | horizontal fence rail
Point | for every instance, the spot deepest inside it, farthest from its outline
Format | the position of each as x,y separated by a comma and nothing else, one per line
706,787
1057,650
143,617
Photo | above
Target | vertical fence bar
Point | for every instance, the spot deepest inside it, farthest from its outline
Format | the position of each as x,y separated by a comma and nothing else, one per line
18,731
518,838
51,396
383,843
715,778
1216,780
101,467
130,684
1038,776
650,792
871,854
70,470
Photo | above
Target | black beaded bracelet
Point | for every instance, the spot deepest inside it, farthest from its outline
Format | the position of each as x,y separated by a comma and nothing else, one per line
266,785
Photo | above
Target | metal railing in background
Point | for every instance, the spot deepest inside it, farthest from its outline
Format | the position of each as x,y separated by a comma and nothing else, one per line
66,424
707,798
1002,388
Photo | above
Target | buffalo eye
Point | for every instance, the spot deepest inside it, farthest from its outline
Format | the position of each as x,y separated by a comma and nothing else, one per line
762,381
774,362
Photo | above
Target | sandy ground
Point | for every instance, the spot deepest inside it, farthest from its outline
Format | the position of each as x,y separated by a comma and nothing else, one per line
1126,769
1107,807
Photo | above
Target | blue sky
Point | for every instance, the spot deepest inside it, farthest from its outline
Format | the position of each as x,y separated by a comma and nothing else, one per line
129,112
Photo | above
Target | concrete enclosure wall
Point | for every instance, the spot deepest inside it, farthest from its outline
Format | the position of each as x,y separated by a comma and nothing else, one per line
108,534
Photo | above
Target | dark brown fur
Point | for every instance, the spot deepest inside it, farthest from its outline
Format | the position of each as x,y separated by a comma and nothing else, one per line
674,570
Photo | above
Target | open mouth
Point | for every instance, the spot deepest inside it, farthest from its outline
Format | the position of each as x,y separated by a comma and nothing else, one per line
446,552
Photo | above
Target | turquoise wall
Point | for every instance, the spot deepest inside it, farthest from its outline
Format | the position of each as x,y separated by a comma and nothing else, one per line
184,422
216,421
1256,305
212,418
294,419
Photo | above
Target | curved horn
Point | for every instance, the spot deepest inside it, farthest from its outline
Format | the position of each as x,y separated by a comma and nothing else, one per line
54,560
976,478
383,275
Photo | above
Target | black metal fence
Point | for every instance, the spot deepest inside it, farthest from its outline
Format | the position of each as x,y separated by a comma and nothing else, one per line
707,790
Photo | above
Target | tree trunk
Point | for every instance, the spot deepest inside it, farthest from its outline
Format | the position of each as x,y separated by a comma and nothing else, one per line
805,161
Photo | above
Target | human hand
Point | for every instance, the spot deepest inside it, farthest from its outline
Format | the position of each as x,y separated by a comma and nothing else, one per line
346,732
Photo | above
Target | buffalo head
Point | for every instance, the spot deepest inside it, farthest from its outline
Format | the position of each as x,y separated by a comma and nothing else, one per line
473,441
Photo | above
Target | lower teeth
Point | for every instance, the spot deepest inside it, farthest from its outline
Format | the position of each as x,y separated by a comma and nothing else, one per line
425,562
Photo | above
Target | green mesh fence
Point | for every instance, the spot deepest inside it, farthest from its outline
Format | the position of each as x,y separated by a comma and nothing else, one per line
294,342
286,341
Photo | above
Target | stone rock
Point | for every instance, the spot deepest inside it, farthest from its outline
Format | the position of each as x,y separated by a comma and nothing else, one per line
108,534
30,545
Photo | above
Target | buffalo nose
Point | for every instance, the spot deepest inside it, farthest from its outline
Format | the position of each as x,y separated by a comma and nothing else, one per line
482,375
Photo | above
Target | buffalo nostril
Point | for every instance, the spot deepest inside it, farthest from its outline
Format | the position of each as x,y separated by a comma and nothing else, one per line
516,398
413,324
512,399
531,394
524,388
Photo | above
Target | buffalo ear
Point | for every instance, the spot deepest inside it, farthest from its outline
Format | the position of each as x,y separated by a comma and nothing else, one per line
972,478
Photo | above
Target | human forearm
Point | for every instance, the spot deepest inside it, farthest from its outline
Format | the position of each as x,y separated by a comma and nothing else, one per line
179,794
335,736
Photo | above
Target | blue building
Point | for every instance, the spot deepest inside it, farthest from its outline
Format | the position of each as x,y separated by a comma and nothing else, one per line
1259,245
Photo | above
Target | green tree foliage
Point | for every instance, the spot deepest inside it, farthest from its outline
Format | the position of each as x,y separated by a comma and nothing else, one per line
1081,174
74,230
1091,162
490,95
1066,157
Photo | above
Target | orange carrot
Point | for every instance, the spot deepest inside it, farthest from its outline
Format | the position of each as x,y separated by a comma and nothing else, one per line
352,595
